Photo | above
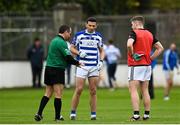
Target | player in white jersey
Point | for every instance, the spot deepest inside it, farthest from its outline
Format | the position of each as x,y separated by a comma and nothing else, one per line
88,47
112,56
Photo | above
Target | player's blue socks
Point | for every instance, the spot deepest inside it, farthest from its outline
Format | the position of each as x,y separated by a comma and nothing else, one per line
73,112
93,115
73,115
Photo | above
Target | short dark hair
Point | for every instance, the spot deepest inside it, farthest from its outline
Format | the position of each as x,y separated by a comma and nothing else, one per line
64,28
91,19
36,39
138,18
110,41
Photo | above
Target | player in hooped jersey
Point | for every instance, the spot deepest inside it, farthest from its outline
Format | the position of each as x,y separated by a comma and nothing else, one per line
139,45
88,47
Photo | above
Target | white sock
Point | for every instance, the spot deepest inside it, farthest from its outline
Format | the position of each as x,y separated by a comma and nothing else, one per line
136,116
146,116
92,116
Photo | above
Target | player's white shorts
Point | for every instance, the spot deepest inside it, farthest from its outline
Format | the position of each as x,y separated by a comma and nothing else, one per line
168,74
87,71
140,73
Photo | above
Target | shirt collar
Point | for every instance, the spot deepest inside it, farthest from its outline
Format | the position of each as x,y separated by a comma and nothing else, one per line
61,37
88,32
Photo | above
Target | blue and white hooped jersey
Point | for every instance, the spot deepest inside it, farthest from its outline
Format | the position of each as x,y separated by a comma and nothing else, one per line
88,43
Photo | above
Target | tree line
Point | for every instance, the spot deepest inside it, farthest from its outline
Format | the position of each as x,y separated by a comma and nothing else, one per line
91,7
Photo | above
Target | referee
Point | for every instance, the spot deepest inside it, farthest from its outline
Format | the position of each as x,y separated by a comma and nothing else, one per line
58,58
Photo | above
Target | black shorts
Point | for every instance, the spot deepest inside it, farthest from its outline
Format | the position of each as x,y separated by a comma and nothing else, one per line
54,75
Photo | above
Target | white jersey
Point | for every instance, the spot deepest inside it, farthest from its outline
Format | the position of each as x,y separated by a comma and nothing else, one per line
112,54
88,43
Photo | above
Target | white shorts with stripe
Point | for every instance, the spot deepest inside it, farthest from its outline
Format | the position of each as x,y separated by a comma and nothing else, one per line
140,73
87,71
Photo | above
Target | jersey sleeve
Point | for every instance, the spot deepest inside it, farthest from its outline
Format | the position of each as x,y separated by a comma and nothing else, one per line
177,60
100,43
75,40
132,35
166,56
118,52
155,40
63,48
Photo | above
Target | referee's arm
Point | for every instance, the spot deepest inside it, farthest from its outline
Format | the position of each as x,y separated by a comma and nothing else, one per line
71,60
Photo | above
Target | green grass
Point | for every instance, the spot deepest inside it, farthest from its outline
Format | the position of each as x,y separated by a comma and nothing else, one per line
19,106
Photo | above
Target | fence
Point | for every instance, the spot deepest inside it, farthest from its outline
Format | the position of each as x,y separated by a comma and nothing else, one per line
16,33
166,28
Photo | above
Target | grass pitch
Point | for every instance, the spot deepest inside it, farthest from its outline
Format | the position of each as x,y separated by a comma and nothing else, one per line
19,106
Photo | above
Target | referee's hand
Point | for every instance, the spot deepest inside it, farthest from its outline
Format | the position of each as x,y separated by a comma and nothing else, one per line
80,64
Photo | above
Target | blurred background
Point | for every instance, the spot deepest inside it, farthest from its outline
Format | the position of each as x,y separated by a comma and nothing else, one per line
23,20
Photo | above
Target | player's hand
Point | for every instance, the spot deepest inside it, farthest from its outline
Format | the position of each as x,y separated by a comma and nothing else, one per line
137,57
100,65
82,54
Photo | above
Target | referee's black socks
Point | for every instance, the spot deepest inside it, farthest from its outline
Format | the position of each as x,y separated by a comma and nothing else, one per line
43,103
57,106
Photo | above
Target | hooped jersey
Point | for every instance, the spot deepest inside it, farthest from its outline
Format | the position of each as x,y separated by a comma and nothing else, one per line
90,44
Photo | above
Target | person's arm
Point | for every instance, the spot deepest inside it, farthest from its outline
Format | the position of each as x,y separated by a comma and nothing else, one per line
130,46
74,50
135,56
42,53
71,60
63,48
177,63
159,49
28,54
73,45
119,55
131,40
153,63
102,53
166,58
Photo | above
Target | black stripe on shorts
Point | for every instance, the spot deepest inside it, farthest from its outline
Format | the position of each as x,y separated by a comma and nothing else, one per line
132,73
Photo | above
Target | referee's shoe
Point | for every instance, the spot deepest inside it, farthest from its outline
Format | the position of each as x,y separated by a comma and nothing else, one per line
59,119
38,117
